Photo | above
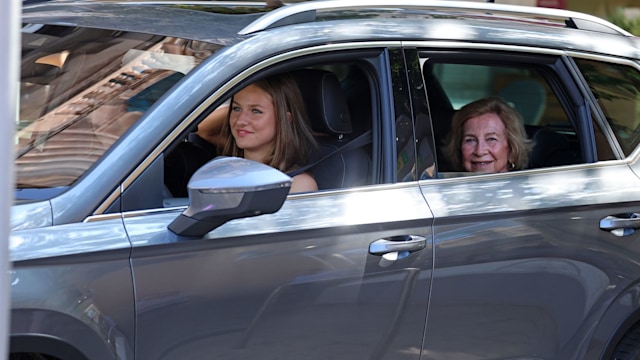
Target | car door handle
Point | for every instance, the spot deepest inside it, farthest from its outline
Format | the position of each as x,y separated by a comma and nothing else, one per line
621,224
409,243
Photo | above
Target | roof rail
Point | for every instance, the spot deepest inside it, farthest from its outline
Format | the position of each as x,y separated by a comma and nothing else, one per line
306,12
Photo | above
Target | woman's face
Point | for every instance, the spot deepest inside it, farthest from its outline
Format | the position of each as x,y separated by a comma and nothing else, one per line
253,122
484,144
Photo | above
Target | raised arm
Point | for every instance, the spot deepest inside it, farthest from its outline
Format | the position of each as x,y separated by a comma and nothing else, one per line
209,129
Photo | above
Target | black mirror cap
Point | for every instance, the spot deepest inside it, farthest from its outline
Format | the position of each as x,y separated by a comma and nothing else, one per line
230,188
252,204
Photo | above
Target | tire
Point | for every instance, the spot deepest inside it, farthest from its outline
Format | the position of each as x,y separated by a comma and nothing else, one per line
629,347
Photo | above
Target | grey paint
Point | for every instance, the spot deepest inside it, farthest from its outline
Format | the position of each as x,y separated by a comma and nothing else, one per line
32,215
73,283
298,284
512,250
522,268
162,118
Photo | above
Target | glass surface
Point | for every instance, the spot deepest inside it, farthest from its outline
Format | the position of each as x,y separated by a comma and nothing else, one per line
82,88
617,89
524,88
452,85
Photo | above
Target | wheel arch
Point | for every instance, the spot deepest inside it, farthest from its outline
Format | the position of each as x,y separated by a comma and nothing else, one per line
44,344
624,328
56,334
619,318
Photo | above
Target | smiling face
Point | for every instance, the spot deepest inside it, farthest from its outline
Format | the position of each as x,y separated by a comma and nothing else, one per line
484,144
253,122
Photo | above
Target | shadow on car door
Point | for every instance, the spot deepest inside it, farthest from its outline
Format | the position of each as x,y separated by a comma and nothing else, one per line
522,267
329,276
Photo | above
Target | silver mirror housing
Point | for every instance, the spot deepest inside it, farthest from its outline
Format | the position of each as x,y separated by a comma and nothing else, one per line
229,188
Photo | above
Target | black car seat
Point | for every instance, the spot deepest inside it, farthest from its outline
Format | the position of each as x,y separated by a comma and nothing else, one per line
550,148
528,97
328,113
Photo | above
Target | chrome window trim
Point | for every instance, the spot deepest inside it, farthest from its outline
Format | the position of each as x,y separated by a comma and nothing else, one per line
130,214
107,202
355,46
104,217
482,46
605,58
546,170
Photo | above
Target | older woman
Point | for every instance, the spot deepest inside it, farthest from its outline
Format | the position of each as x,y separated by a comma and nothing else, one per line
488,136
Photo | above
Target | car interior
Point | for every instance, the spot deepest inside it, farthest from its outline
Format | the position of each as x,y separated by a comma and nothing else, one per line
337,99
453,84
81,89
336,166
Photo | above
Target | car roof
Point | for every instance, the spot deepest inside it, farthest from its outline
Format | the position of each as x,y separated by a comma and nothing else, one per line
217,22
362,9
227,22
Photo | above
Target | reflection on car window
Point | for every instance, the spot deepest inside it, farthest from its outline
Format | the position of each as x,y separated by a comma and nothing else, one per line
337,103
617,89
81,89
524,88
452,85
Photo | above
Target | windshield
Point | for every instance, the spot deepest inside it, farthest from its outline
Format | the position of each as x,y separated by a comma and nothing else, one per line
81,89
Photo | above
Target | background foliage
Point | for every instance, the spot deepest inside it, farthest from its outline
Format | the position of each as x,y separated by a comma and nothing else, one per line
632,25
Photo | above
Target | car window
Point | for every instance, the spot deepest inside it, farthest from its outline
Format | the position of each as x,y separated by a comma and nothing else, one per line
414,155
527,88
523,88
82,88
338,101
617,90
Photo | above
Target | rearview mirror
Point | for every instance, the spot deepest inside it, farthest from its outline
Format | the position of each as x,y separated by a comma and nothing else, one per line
229,188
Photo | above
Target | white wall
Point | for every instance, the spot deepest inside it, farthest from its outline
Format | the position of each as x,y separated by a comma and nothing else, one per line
9,69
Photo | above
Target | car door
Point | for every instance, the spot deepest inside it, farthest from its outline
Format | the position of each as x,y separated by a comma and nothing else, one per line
526,263
322,278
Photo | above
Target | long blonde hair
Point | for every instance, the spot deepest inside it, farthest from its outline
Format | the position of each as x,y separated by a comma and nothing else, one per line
294,142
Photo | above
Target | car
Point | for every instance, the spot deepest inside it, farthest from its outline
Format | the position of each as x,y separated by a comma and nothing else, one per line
128,242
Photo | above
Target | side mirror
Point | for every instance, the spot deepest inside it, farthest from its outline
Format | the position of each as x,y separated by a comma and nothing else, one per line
229,188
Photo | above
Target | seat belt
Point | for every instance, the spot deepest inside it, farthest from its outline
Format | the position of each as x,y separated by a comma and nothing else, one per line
362,139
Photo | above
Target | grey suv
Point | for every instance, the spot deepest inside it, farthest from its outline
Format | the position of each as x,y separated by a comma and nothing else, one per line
133,240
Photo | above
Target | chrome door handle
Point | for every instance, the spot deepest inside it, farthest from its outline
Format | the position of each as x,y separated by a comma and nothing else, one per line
409,243
621,224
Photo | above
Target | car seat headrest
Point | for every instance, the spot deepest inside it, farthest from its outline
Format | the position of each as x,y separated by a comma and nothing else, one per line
324,101
528,97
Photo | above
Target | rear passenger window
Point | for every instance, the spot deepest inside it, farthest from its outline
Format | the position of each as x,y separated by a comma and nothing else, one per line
617,89
523,88
526,87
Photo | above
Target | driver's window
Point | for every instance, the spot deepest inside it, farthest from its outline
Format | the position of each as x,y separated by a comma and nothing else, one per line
328,107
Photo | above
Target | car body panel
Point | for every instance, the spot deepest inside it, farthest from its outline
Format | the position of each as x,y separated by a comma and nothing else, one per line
298,283
534,240
189,93
31,215
512,265
73,283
